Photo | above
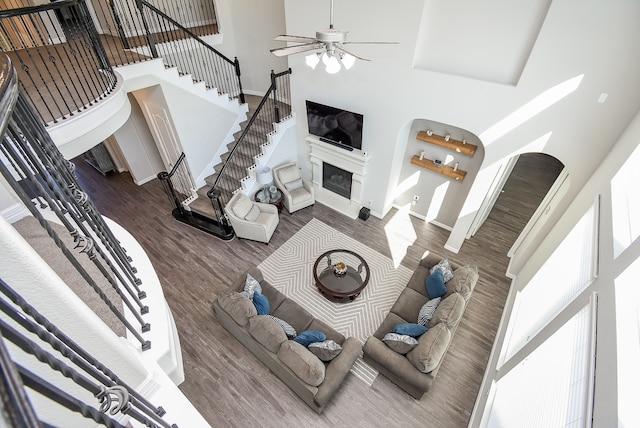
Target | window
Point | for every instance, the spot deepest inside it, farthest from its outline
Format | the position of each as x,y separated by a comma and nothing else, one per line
568,271
625,199
553,385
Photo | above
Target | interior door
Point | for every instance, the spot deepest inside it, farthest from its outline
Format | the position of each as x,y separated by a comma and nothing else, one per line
492,195
169,147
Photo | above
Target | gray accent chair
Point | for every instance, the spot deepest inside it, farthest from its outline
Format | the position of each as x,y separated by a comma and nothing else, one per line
298,193
252,220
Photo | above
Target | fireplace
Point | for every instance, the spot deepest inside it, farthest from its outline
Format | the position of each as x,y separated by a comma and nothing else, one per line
336,179
338,176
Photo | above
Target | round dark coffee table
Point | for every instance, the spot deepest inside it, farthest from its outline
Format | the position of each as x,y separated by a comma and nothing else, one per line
341,285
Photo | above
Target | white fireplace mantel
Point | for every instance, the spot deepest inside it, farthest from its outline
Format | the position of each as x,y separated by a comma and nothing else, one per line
354,162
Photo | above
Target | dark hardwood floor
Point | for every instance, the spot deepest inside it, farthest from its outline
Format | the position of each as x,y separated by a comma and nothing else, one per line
229,386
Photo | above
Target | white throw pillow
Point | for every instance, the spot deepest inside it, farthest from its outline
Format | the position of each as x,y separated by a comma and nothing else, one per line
293,185
253,213
242,206
288,174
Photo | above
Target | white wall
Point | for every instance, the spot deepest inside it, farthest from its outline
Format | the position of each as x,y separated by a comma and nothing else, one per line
248,28
609,268
574,128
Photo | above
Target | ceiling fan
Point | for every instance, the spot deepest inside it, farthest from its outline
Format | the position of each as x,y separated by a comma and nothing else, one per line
330,41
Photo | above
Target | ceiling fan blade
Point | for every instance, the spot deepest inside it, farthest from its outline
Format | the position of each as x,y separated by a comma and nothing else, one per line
342,49
297,49
298,39
370,43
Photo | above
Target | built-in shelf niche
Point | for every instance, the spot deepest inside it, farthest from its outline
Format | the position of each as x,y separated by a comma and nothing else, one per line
450,144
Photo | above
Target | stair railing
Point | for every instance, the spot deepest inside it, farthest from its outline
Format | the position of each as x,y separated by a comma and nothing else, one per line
180,189
196,57
65,64
63,71
274,107
31,160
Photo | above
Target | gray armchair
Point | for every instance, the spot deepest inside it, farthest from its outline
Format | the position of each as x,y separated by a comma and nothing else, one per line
298,193
251,220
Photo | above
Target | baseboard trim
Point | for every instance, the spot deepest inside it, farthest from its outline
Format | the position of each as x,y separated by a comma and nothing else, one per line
144,180
15,213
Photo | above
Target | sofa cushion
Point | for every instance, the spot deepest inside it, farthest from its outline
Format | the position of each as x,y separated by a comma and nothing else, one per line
241,206
427,310
400,343
431,348
445,267
294,314
288,173
237,306
463,281
251,285
326,350
286,327
302,362
267,332
261,302
410,329
449,311
390,321
274,295
417,280
308,337
331,334
408,305
435,284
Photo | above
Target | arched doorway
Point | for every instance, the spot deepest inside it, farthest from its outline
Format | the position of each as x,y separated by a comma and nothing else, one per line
532,177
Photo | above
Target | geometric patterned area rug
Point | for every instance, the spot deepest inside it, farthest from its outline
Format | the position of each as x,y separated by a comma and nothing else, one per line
359,318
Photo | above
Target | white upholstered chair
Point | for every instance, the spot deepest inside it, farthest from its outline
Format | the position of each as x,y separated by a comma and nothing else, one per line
251,220
298,193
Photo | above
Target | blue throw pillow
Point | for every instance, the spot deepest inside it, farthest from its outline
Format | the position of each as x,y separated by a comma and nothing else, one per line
261,303
310,336
435,284
410,329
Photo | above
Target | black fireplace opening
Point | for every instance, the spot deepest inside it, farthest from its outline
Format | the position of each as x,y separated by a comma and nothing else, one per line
336,180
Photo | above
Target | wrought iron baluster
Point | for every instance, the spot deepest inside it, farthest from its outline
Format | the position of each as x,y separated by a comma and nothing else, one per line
29,310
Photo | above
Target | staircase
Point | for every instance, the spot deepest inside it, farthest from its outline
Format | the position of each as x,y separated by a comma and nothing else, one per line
250,148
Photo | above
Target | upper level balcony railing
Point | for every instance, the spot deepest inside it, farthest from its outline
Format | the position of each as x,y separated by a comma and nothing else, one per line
65,51
36,172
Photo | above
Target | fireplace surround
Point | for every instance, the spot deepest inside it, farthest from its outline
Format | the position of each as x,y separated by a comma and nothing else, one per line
344,165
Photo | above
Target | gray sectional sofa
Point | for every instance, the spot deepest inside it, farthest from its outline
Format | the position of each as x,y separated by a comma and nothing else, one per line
416,370
310,378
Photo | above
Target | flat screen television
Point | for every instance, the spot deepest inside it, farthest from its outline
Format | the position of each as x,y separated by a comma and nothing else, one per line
341,127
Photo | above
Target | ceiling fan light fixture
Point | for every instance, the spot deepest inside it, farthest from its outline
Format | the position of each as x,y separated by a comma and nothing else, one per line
313,60
347,60
332,64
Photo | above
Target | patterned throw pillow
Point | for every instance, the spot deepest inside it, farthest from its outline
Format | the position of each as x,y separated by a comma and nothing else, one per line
308,337
445,267
435,284
251,285
410,329
427,311
326,350
400,343
290,331
261,303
